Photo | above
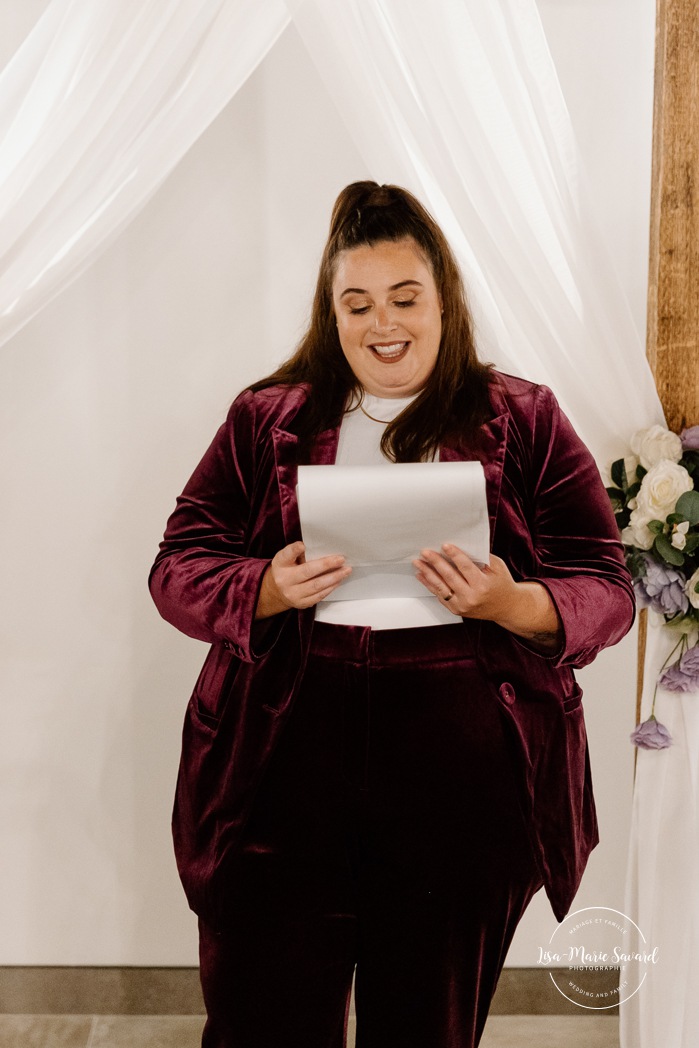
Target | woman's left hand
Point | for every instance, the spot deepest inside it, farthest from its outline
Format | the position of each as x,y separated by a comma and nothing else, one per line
465,588
490,592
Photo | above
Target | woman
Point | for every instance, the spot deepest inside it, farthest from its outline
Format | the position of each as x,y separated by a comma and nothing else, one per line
383,784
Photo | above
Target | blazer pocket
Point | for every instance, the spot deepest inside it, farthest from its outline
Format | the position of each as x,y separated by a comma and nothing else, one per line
573,701
213,686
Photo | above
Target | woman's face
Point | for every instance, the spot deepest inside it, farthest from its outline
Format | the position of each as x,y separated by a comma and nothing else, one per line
389,316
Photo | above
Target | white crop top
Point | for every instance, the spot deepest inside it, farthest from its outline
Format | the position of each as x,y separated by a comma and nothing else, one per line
359,444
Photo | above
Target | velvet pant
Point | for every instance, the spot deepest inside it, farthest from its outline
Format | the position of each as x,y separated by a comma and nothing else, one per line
388,835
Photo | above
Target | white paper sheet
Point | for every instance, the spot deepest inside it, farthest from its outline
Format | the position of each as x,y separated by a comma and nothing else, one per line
380,518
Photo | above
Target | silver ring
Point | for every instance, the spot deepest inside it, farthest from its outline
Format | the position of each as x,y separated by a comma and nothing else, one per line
451,594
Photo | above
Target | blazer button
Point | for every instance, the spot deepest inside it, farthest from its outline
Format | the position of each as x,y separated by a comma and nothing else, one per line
507,693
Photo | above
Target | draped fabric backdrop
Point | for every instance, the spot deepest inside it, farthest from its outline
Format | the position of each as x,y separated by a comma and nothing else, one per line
466,110
460,102
96,109
663,874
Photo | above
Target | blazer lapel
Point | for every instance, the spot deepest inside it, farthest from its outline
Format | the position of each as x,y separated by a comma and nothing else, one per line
285,445
285,457
491,454
324,449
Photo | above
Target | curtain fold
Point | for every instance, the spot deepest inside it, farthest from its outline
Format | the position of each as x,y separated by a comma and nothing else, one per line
460,102
662,886
96,109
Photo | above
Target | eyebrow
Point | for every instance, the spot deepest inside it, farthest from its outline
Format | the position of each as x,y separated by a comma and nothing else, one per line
393,287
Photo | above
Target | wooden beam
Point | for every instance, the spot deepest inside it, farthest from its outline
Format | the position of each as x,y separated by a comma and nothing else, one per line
673,287
672,343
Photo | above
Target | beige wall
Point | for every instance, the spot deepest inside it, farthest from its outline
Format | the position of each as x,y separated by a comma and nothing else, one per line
108,399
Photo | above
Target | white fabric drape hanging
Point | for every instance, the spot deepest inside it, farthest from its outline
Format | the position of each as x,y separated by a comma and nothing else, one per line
460,102
662,893
96,109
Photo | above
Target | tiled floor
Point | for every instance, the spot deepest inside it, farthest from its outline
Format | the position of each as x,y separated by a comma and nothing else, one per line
184,1031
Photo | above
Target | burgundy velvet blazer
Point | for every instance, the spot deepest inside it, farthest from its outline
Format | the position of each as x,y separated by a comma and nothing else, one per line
550,520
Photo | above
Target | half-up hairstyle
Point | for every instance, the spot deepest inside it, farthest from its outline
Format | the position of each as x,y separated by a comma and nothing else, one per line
454,401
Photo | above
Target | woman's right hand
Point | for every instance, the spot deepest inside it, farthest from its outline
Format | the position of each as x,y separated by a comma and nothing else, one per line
293,582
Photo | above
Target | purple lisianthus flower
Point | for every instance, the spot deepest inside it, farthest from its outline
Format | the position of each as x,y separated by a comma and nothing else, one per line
690,438
651,735
683,675
662,588
690,662
673,679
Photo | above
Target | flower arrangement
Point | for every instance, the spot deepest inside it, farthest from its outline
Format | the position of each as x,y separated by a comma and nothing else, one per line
655,498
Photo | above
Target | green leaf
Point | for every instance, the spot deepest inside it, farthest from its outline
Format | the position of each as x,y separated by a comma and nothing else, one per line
692,543
616,495
690,460
656,526
676,518
618,472
636,563
688,506
667,551
633,490
681,623
623,516
640,472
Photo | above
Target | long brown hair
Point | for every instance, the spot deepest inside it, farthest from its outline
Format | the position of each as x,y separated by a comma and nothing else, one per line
454,401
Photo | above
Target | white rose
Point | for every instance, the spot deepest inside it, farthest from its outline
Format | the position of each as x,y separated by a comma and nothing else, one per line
660,489
655,444
636,533
679,535
692,589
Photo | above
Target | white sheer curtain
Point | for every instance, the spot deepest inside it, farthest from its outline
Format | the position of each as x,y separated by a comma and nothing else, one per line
96,108
663,873
460,102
